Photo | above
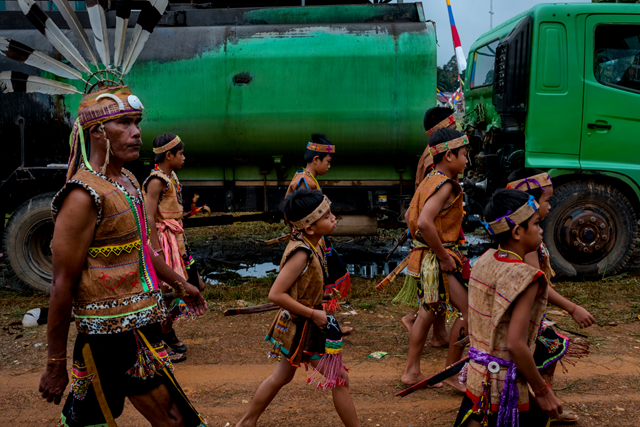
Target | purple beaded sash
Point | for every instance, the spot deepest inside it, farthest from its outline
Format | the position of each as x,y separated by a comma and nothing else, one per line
508,412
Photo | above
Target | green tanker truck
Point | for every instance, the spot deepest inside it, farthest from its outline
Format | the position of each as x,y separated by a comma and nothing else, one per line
248,87
558,88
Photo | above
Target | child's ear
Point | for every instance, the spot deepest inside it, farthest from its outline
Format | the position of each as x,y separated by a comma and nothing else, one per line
309,229
316,160
515,233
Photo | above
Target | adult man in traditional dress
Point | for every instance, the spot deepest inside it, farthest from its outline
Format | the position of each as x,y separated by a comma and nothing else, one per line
106,272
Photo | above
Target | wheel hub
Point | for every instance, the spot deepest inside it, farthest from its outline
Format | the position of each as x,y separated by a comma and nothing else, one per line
587,234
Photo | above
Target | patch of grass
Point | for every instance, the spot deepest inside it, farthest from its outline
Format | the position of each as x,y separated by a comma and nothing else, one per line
258,230
365,305
613,299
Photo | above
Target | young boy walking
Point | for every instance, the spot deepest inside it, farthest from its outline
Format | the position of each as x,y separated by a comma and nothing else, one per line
319,154
507,300
435,217
163,198
297,330
434,119
551,347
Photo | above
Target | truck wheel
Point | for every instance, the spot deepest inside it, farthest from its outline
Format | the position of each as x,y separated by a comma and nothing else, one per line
591,229
27,244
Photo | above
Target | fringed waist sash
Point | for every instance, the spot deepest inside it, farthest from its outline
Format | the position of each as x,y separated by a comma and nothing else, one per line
508,412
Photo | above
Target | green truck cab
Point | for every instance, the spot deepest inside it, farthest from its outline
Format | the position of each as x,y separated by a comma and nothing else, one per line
558,88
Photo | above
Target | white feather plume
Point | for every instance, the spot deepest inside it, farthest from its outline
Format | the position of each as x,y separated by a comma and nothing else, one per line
53,34
99,26
34,84
71,18
122,22
37,59
140,37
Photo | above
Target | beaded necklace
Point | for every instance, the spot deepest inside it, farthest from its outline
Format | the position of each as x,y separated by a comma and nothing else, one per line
314,179
509,252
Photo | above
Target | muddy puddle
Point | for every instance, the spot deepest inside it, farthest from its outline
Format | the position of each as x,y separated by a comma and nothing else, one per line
226,262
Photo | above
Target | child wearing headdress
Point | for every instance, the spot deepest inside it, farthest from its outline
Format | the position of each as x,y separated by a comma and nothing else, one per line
163,196
302,333
435,264
434,119
319,154
551,347
507,300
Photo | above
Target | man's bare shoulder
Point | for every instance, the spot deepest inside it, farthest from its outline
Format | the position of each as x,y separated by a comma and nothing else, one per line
79,203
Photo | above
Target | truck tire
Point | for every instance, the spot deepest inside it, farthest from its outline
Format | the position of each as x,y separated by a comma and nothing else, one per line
591,230
27,244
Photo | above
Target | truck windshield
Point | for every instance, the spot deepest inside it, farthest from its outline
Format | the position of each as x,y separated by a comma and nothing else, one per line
483,60
617,55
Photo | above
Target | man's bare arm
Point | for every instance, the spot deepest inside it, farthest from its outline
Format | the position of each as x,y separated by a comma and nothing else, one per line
72,237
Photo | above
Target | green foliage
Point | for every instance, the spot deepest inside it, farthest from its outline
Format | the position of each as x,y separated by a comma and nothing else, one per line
448,76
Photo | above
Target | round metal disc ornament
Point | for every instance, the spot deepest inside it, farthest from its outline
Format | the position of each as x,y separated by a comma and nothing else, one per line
135,103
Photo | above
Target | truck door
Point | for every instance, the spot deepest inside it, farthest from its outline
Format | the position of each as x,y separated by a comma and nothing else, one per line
611,123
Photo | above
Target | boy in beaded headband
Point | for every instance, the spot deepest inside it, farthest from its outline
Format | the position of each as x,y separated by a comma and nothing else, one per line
319,154
163,196
551,347
435,265
507,300
297,330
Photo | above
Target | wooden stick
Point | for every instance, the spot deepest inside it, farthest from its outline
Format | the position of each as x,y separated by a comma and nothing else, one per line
400,242
251,310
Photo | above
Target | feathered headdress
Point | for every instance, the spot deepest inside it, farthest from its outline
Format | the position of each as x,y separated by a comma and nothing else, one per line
105,95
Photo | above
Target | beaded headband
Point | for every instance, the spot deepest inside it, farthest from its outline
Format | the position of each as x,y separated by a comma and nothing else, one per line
443,124
505,223
321,148
175,141
537,181
318,213
449,145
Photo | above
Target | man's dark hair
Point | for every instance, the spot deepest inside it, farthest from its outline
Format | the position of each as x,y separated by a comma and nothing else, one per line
301,203
163,140
435,115
444,135
318,138
505,201
526,173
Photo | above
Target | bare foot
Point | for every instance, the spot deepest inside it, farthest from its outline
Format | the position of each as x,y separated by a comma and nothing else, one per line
346,330
409,379
408,321
438,343
453,382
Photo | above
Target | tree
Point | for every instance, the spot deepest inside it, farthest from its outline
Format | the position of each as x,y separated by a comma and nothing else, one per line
448,76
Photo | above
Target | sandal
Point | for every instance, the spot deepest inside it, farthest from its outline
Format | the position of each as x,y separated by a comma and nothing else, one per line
172,341
566,417
176,357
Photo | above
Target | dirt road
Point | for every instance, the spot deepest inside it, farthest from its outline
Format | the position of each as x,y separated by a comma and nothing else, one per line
227,361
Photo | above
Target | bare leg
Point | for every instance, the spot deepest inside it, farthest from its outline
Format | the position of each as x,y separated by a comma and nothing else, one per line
158,407
460,300
282,375
409,320
473,423
417,338
440,337
342,401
